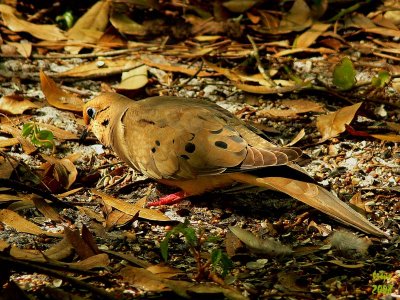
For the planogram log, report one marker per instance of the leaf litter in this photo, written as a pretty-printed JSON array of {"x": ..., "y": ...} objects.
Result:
[{"x": 313, "y": 102}]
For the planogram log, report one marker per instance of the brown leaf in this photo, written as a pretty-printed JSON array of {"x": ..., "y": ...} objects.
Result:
[
  {"x": 96, "y": 261},
  {"x": 64, "y": 170},
  {"x": 239, "y": 6},
  {"x": 6, "y": 168},
  {"x": 46, "y": 209},
  {"x": 298, "y": 18},
  {"x": 59, "y": 133},
  {"x": 359, "y": 204},
  {"x": 232, "y": 244},
  {"x": 266, "y": 246},
  {"x": 81, "y": 247},
  {"x": 395, "y": 138},
  {"x": 126, "y": 25},
  {"x": 334, "y": 123},
  {"x": 295, "y": 107},
  {"x": 118, "y": 218},
  {"x": 344, "y": 265},
  {"x": 25, "y": 49},
  {"x": 14, "y": 104},
  {"x": 20, "y": 224},
  {"x": 164, "y": 271},
  {"x": 131, "y": 209},
  {"x": 58, "y": 97},
  {"x": 90, "y": 27},
  {"x": 59, "y": 251},
  {"x": 101, "y": 68},
  {"x": 143, "y": 279},
  {"x": 27, "y": 146},
  {"x": 43, "y": 32},
  {"x": 307, "y": 38},
  {"x": 159, "y": 62}
]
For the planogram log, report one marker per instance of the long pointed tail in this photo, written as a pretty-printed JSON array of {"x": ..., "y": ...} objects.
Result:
[{"x": 315, "y": 196}]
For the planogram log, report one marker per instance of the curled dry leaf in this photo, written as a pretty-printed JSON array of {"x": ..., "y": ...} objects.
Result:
[
  {"x": 334, "y": 123},
  {"x": 62, "y": 170},
  {"x": 133, "y": 79},
  {"x": 14, "y": 104},
  {"x": 43, "y": 32},
  {"x": 20, "y": 224},
  {"x": 57, "y": 97}
]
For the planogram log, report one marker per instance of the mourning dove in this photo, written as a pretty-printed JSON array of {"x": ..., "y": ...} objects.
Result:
[{"x": 198, "y": 146}]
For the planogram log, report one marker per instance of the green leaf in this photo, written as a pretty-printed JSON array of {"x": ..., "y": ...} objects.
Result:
[
  {"x": 190, "y": 236},
  {"x": 164, "y": 247},
  {"x": 381, "y": 80},
  {"x": 344, "y": 74},
  {"x": 220, "y": 259},
  {"x": 27, "y": 129},
  {"x": 45, "y": 135}
]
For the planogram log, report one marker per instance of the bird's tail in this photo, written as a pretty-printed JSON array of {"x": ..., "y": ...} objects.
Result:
[{"x": 315, "y": 196}]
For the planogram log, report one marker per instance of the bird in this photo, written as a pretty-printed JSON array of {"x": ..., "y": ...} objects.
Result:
[{"x": 197, "y": 146}]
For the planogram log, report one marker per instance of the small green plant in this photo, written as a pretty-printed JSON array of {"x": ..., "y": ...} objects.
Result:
[
  {"x": 381, "y": 80},
  {"x": 66, "y": 20},
  {"x": 344, "y": 74},
  {"x": 38, "y": 137},
  {"x": 208, "y": 265}
]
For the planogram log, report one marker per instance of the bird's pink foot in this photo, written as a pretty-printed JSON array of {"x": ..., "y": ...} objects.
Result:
[{"x": 169, "y": 199}]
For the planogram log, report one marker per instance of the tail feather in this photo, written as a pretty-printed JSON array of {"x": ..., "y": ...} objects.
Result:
[{"x": 315, "y": 196}]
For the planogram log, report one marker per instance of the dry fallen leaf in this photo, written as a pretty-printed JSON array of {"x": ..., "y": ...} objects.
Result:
[
  {"x": 90, "y": 27},
  {"x": 334, "y": 123},
  {"x": 100, "y": 260},
  {"x": 43, "y": 32},
  {"x": 25, "y": 49},
  {"x": 14, "y": 104},
  {"x": 126, "y": 25},
  {"x": 58, "y": 97},
  {"x": 132, "y": 209},
  {"x": 133, "y": 79},
  {"x": 160, "y": 62},
  {"x": 295, "y": 107},
  {"x": 63, "y": 170},
  {"x": 59, "y": 251},
  {"x": 14, "y": 220},
  {"x": 306, "y": 39},
  {"x": 267, "y": 246},
  {"x": 102, "y": 67}
]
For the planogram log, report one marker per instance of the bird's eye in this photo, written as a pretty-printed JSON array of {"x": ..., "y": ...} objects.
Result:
[{"x": 91, "y": 112}]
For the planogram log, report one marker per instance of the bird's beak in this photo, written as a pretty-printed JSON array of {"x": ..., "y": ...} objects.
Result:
[{"x": 84, "y": 134}]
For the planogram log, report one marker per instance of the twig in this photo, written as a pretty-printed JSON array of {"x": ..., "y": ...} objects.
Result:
[
  {"x": 191, "y": 77},
  {"x": 347, "y": 11},
  {"x": 259, "y": 64}
]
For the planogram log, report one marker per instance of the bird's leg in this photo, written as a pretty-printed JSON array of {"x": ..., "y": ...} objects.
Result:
[{"x": 169, "y": 199}]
